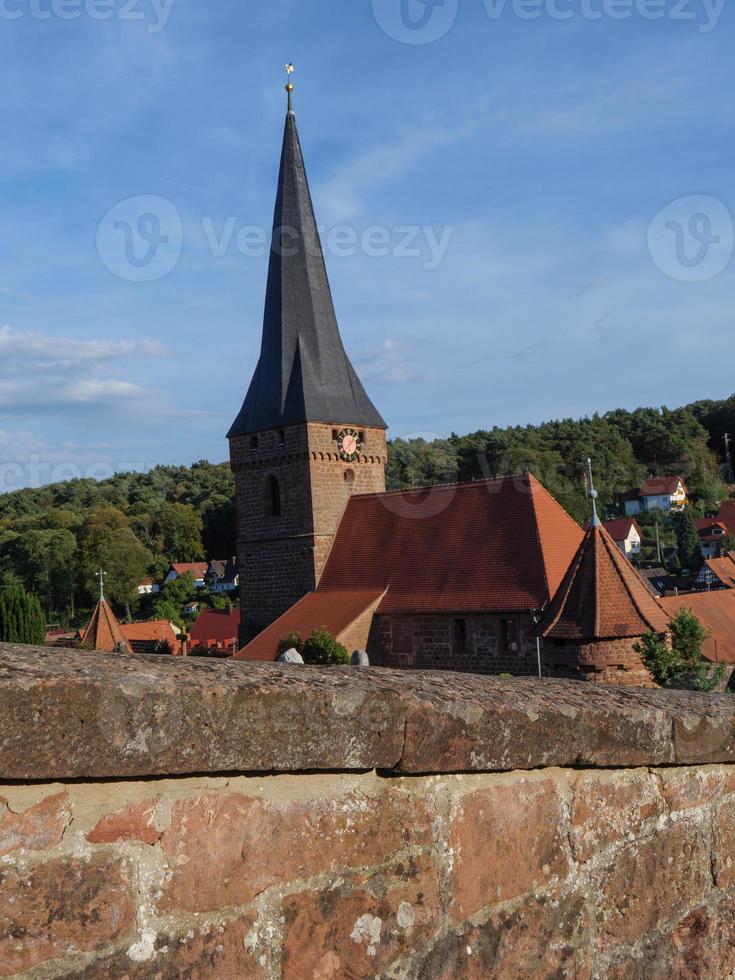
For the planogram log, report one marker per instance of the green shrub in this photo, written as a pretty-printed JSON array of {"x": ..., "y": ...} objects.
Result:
[
  {"x": 322, "y": 648},
  {"x": 291, "y": 641}
]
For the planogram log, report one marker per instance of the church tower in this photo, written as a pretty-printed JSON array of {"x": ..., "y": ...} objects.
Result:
[{"x": 308, "y": 436}]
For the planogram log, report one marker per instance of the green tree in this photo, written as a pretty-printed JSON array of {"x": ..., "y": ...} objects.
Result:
[
  {"x": 173, "y": 597},
  {"x": 21, "y": 615},
  {"x": 680, "y": 663},
  {"x": 321, "y": 648},
  {"x": 46, "y": 561},
  {"x": 687, "y": 539},
  {"x": 109, "y": 545}
]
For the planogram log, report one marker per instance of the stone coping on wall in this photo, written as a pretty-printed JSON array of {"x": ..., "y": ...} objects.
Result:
[{"x": 68, "y": 715}]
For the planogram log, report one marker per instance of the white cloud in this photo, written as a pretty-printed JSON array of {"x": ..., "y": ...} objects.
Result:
[
  {"x": 44, "y": 352},
  {"x": 41, "y": 375}
]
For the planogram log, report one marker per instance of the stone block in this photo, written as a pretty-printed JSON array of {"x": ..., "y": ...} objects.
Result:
[
  {"x": 505, "y": 842},
  {"x": 39, "y": 828},
  {"x": 254, "y": 843},
  {"x": 62, "y": 907},
  {"x": 358, "y": 929},
  {"x": 132, "y": 823},
  {"x": 651, "y": 882}
]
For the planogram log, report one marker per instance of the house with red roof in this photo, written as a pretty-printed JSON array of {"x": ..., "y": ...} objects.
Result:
[
  {"x": 215, "y": 629},
  {"x": 152, "y": 637},
  {"x": 104, "y": 632},
  {"x": 712, "y": 534},
  {"x": 716, "y": 573},
  {"x": 668, "y": 493},
  {"x": 197, "y": 570},
  {"x": 447, "y": 577},
  {"x": 626, "y": 534}
]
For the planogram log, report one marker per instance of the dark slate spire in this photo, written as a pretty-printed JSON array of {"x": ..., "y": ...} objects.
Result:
[{"x": 304, "y": 374}]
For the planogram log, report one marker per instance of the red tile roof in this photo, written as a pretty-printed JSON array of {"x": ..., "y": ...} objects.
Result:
[
  {"x": 727, "y": 515},
  {"x": 707, "y": 528},
  {"x": 602, "y": 596},
  {"x": 620, "y": 529},
  {"x": 103, "y": 631},
  {"x": 214, "y": 626},
  {"x": 724, "y": 569},
  {"x": 661, "y": 485},
  {"x": 156, "y": 631},
  {"x": 197, "y": 568},
  {"x": 491, "y": 546},
  {"x": 333, "y": 610},
  {"x": 716, "y": 612}
]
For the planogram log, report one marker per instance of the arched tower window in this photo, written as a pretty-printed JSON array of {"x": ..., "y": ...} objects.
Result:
[{"x": 272, "y": 497}]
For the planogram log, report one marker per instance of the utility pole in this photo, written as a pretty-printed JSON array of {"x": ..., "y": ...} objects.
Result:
[{"x": 658, "y": 546}]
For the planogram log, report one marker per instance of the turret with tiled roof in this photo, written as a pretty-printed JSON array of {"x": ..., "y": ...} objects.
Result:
[
  {"x": 599, "y": 613},
  {"x": 103, "y": 631}
]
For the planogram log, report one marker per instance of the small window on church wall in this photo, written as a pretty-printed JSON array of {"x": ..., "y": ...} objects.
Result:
[
  {"x": 253, "y": 443},
  {"x": 460, "y": 635},
  {"x": 362, "y": 438},
  {"x": 272, "y": 497},
  {"x": 281, "y": 438},
  {"x": 349, "y": 476},
  {"x": 509, "y": 634}
]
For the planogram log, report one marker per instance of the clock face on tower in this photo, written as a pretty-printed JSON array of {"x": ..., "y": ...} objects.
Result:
[{"x": 349, "y": 445}]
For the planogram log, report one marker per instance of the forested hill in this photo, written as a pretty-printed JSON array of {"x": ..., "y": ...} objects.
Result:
[
  {"x": 625, "y": 448},
  {"x": 55, "y": 538}
]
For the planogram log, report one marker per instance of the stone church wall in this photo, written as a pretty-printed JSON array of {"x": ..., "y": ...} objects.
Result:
[
  {"x": 437, "y": 642},
  {"x": 210, "y": 820}
]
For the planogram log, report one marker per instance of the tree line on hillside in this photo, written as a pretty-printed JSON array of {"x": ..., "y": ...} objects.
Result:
[
  {"x": 625, "y": 448},
  {"x": 53, "y": 540}
]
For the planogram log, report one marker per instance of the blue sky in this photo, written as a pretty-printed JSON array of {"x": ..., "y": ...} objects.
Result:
[{"x": 544, "y": 153}]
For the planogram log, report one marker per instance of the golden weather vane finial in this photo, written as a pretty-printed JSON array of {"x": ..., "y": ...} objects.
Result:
[{"x": 289, "y": 87}]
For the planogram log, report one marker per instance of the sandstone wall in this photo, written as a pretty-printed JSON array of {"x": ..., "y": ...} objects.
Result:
[
  {"x": 169, "y": 820},
  {"x": 281, "y": 558}
]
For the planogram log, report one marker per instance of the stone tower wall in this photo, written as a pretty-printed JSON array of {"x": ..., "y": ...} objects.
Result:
[{"x": 281, "y": 557}]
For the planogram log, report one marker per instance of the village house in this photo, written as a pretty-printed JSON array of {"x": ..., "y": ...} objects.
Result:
[
  {"x": 149, "y": 587},
  {"x": 668, "y": 493},
  {"x": 626, "y": 534},
  {"x": 716, "y": 573},
  {"x": 222, "y": 576},
  {"x": 197, "y": 570},
  {"x": 216, "y": 629},
  {"x": 712, "y": 534}
]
